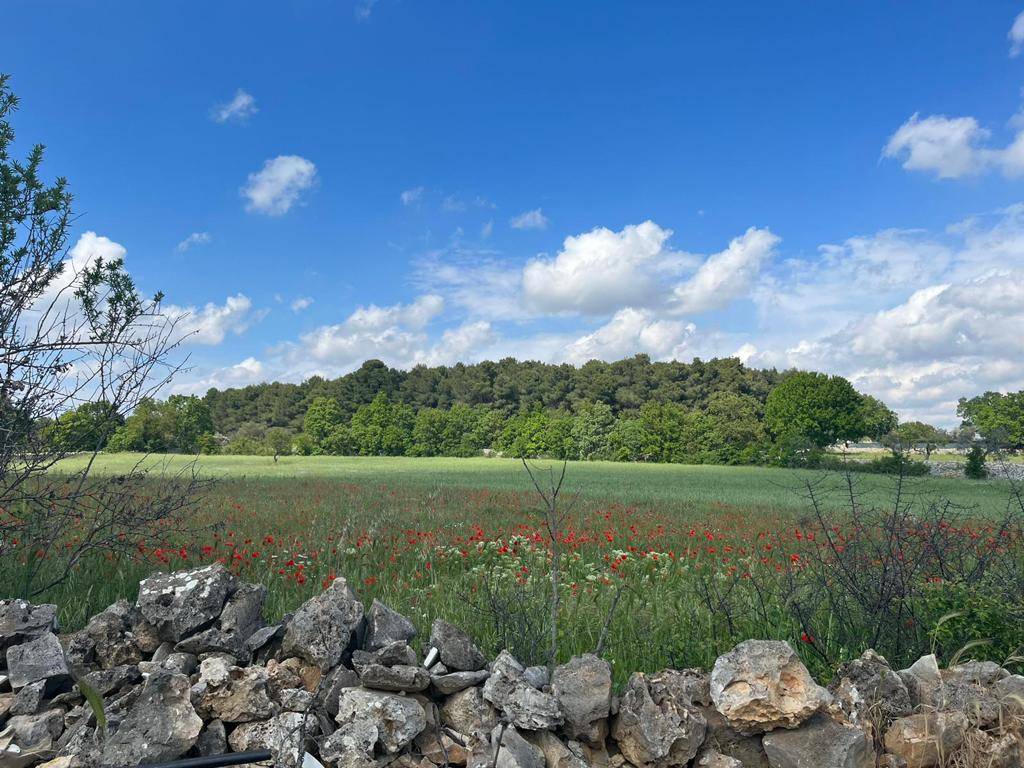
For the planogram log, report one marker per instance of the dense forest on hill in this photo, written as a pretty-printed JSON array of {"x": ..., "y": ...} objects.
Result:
[
  {"x": 507, "y": 386},
  {"x": 718, "y": 411}
]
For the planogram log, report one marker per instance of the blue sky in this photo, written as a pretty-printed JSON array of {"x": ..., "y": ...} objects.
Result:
[{"x": 829, "y": 185}]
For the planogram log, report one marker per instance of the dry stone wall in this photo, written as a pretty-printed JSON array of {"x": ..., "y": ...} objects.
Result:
[{"x": 192, "y": 669}]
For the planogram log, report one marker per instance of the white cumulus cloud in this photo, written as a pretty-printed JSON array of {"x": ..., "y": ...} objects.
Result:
[
  {"x": 276, "y": 187},
  {"x": 601, "y": 271},
  {"x": 728, "y": 274}
]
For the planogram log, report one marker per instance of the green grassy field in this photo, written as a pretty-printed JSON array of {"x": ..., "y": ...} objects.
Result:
[
  {"x": 703, "y": 556},
  {"x": 636, "y": 484}
]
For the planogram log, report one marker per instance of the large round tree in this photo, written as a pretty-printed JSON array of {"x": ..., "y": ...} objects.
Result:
[{"x": 814, "y": 408}]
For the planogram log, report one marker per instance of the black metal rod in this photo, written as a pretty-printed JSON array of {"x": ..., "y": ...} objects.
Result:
[{"x": 214, "y": 761}]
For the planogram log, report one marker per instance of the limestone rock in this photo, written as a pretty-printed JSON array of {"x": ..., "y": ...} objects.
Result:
[
  {"x": 160, "y": 725},
  {"x": 20, "y": 621},
  {"x": 761, "y": 685},
  {"x": 715, "y": 759},
  {"x": 514, "y": 751},
  {"x": 1010, "y": 693},
  {"x": 468, "y": 712},
  {"x": 385, "y": 626},
  {"x": 371, "y": 722},
  {"x": 657, "y": 732},
  {"x": 924, "y": 681},
  {"x": 556, "y": 753},
  {"x": 29, "y": 699},
  {"x": 322, "y": 628},
  {"x": 453, "y": 682},
  {"x": 41, "y": 658},
  {"x": 284, "y": 735},
  {"x": 819, "y": 743},
  {"x": 868, "y": 690},
  {"x": 927, "y": 739},
  {"x": 523, "y": 705},
  {"x": 106, "y": 681},
  {"x": 213, "y": 739},
  {"x": 583, "y": 689},
  {"x": 182, "y": 603},
  {"x": 456, "y": 648},
  {"x": 238, "y": 696},
  {"x": 107, "y": 639},
  {"x": 401, "y": 677},
  {"x": 243, "y": 611}
]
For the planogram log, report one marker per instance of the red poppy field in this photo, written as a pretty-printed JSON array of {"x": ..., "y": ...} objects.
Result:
[{"x": 670, "y": 583}]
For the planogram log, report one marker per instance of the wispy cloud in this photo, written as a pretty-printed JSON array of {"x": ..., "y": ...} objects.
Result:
[
  {"x": 364, "y": 9},
  {"x": 410, "y": 196},
  {"x": 241, "y": 107},
  {"x": 534, "y": 219},
  {"x": 301, "y": 303},
  {"x": 196, "y": 238}
]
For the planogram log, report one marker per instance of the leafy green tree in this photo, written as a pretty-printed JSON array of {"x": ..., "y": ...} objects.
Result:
[
  {"x": 278, "y": 441},
  {"x": 88, "y": 427},
  {"x": 323, "y": 419},
  {"x": 671, "y": 432},
  {"x": 180, "y": 424},
  {"x": 731, "y": 430},
  {"x": 814, "y": 407},
  {"x": 428, "y": 434},
  {"x": 591, "y": 427},
  {"x": 917, "y": 436},
  {"x": 630, "y": 440},
  {"x": 525, "y": 435},
  {"x": 998, "y": 417},
  {"x": 974, "y": 467},
  {"x": 878, "y": 419},
  {"x": 382, "y": 428}
]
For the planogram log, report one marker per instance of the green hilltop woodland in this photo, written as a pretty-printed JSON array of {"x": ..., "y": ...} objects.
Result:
[{"x": 717, "y": 411}]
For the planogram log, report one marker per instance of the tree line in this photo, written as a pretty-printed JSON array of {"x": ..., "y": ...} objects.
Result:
[{"x": 718, "y": 412}]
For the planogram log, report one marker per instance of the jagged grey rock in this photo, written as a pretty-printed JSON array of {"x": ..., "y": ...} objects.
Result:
[
  {"x": 657, "y": 732},
  {"x": 21, "y": 621},
  {"x": 161, "y": 724},
  {"x": 556, "y": 753},
  {"x": 819, "y": 743},
  {"x": 868, "y": 690},
  {"x": 41, "y": 658},
  {"x": 370, "y": 721},
  {"x": 385, "y": 626},
  {"x": 243, "y": 611},
  {"x": 38, "y": 730},
  {"x": 714, "y": 759},
  {"x": 514, "y": 751},
  {"x": 333, "y": 684},
  {"x": 106, "y": 639},
  {"x": 522, "y": 704},
  {"x": 106, "y": 681},
  {"x": 761, "y": 685},
  {"x": 401, "y": 677},
  {"x": 213, "y": 739},
  {"x": 29, "y": 699},
  {"x": 322, "y": 628},
  {"x": 390, "y": 655},
  {"x": 453, "y": 682},
  {"x": 583, "y": 689},
  {"x": 284, "y": 735},
  {"x": 457, "y": 650},
  {"x": 924, "y": 681},
  {"x": 237, "y": 695},
  {"x": 182, "y": 603}
]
